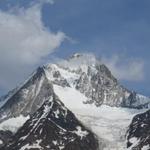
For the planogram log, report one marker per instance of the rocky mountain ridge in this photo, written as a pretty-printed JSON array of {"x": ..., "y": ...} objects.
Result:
[
  {"x": 138, "y": 135},
  {"x": 53, "y": 126},
  {"x": 95, "y": 81},
  {"x": 92, "y": 85}
]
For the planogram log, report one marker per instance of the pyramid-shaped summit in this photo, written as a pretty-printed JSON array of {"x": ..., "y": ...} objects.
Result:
[
  {"x": 80, "y": 85},
  {"x": 53, "y": 126}
]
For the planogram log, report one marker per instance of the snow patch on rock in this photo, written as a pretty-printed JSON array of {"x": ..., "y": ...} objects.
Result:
[
  {"x": 80, "y": 132},
  {"x": 13, "y": 124},
  {"x": 108, "y": 123},
  {"x": 146, "y": 147}
]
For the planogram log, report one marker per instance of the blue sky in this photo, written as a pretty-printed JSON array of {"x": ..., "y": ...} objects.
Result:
[{"x": 109, "y": 29}]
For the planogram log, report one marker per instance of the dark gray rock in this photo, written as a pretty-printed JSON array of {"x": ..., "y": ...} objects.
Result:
[
  {"x": 29, "y": 97},
  {"x": 97, "y": 84},
  {"x": 139, "y": 130},
  {"x": 5, "y": 137},
  {"x": 101, "y": 87},
  {"x": 53, "y": 127}
]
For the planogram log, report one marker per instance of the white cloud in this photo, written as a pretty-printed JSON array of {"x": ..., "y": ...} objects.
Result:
[
  {"x": 24, "y": 41},
  {"x": 47, "y": 1},
  {"x": 25, "y": 36},
  {"x": 124, "y": 68},
  {"x": 77, "y": 60}
]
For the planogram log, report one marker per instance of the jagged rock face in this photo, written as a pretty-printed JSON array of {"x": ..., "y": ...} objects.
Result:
[
  {"x": 59, "y": 127},
  {"x": 137, "y": 101},
  {"x": 4, "y": 98},
  {"x": 138, "y": 135},
  {"x": 29, "y": 97},
  {"x": 53, "y": 127},
  {"x": 54, "y": 75},
  {"x": 101, "y": 87},
  {"x": 96, "y": 82},
  {"x": 5, "y": 137},
  {"x": 93, "y": 79}
]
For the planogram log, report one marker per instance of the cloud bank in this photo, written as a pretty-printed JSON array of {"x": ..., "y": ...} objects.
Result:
[
  {"x": 24, "y": 42},
  {"x": 124, "y": 68}
]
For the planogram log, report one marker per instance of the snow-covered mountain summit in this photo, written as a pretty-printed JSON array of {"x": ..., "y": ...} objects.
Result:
[
  {"x": 87, "y": 87},
  {"x": 50, "y": 126},
  {"x": 92, "y": 78},
  {"x": 84, "y": 73}
]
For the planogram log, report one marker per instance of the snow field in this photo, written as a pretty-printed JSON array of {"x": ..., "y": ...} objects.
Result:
[{"x": 108, "y": 123}]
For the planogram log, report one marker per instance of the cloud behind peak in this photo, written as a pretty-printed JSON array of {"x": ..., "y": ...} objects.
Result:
[
  {"x": 24, "y": 41},
  {"x": 128, "y": 69}
]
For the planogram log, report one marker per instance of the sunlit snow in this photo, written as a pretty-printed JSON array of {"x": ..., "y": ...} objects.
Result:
[
  {"x": 13, "y": 124},
  {"x": 109, "y": 123}
]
